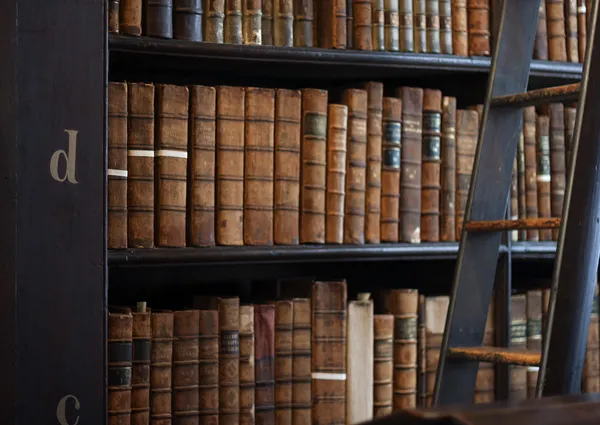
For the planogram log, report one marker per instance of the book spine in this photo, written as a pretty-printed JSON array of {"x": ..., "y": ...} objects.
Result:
[
  {"x": 540, "y": 49},
  {"x": 113, "y": 16},
  {"x": 378, "y": 30},
  {"x": 431, "y": 161},
  {"x": 534, "y": 336},
  {"x": 555, "y": 16},
  {"x": 158, "y": 18},
  {"x": 514, "y": 199},
  {"x": 229, "y": 361},
  {"x": 432, "y": 24},
  {"x": 120, "y": 328},
  {"x": 208, "y": 367},
  {"x": 390, "y": 170},
  {"x": 301, "y": 362},
  {"x": 479, "y": 27},
  {"x": 374, "y": 152},
  {"x": 268, "y": 17},
  {"x": 445, "y": 7},
  {"x": 543, "y": 173},
  {"x": 436, "y": 309},
  {"x": 187, "y": 20},
  {"x": 557, "y": 161},
  {"x": 264, "y": 352},
  {"x": 521, "y": 191},
  {"x": 571, "y": 30},
  {"x": 161, "y": 359},
  {"x": 247, "y": 362},
  {"x": 362, "y": 25},
  {"x": 130, "y": 17},
  {"x": 383, "y": 364},
  {"x": 421, "y": 354},
  {"x": 581, "y": 28},
  {"x": 140, "y": 370},
  {"x": 336, "y": 172},
  {"x": 349, "y": 24},
  {"x": 448, "y": 178},
  {"x": 252, "y": 22},
  {"x": 283, "y": 28},
  {"x": 303, "y": 23},
  {"x": 531, "y": 195},
  {"x": 405, "y": 13},
  {"x": 284, "y": 318},
  {"x": 518, "y": 339},
  {"x": 420, "y": 25},
  {"x": 391, "y": 25},
  {"x": 332, "y": 31},
  {"x": 233, "y": 22},
  {"x": 570, "y": 115},
  {"x": 467, "y": 128},
  {"x": 215, "y": 16},
  {"x": 185, "y": 366},
  {"x": 460, "y": 39}
]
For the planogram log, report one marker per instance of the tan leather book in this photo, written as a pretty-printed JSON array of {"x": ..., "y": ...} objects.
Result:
[
  {"x": 485, "y": 380},
  {"x": 555, "y": 17},
  {"x": 303, "y": 23},
  {"x": 362, "y": 31},
  {"x": 336, "y": 172},
  {"x": 570, "y": 116},
  {"x": 252, "y": 22},
  {"x": 120, "y": 326},
  {"x": 283, "y": 23},
  {"x": 208, "y": 367},
  {"x": 591, "y": 365},
  {"x": 479, "y": 27},
  {"x": 186, "y": 334},
  {"x": 187, "y": 20},
  {"x": 232, "y": 26},
  {"x": 230, "y": 165},
  {"x": 201, "y": 180},
  {"x": 301, "y": 362},
  {"x": 557, "y": 161},
  {"x": 214, "y": 12},
  {"x": 378, "y": 28},
  {"x": 514, "y": 199},
  {"x": 140, "y": 166},
  {"x": 540, "y": 49},
  {"x": 531, "y": 195},
  {"x": 431, "y": 165},
  {"x": 581, "y": 28},
  {"x": 314, "y": 166},
  {"x": 286, "y": 201},
  {"x": 405, "y": 14},
  {"x": 390, "y": 168},
  {"x": 359, "y": 360},
  {"x": 445, "y": 7},
  {"x": 158, "y": 18},
  {"x": 432, "y": 25},
  {"x": 467, "y": 130},
  {"x": 436, "y": 309},
  {"x": 521, "y": 191},
  {"x": 171, "y": 165},
  {"x": 247, "y": 362},
  {"x": 460, "y": 38},
  {"x": 329, "y": 366},
  {"x": 410, "y": 170},
  {"x": 284, "y": 330},
  {"x": 264, "y": 353},
  {"x": 229, "y": 360},
  {"x": 420, "y": 25},
  {"x": 117, "y": 166},
  {"x": 374, "y": 148},
  {"x": 140, "y": 368},
  {"x": 332, "y": 30},
  {"x": 130, "y": 17},
  {"x": 448, "y": 171},
  {"x": 534, "y": 335},
  {"x": 543, "y": 172},
  {"x": 391, "y": 21},
  {"x": 268, "y": 10},
  {"x": 518, "y": 339},
  {"x": 113, "y": 16},
  {"x": 161, "y": 359},
  {"x": 571, "y": 30},
  {"x": 383, "y": 366}
]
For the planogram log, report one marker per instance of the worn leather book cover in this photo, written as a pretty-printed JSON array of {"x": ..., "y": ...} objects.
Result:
[
  {"x": 230, "y": 165},
  {"x": 130, "y": 17},
  {"x": 120, "y": 327},
  {"x": 233, "y": 22},
  {"x": 284, "y": 330},
  {"x": 591, "y": 365},
  {"x": 378, "y": 28},
  {"x": 531, "y": 195},
  {"x": 254, "y": 15},
  {"x": 214, "y": 12},
  {"x": 448, "y": 171},
  {"x": 140, "y": 370},
  {"x": 479, "y": 27},
  {"x": 158, "y": 18},
  {"x": 186, "y": 343},
  {"x": 432, "y": 25},
  {"x": 436, "y": 309},
  {"x": 187, "y": 20},
  {"x": 445, "y": 7},
  {"x": 571, "y": 30},
  {"x": 113, "y": 16},
  {"x": 543, "y": 173},
  {"x": 570, "y": 116},
  {"x": 117, "y": 166},
  {"x": 383, "y": 364},
  {"x": 172, "y": 104},
  {"x": 391, "y": 25},
  {"x": 485, "y": 380},
  {"x": 247, "y": 363},
  {"x": 582, "y": 18},
  {"x": 229, "y": 360},
  {"x": 534, "y": 335},
  {"x": 467, "y": 130},
  {"x": 301, "y": 362},
  {"x": 405, "y": 14},
  {"x": 329, "y": 304},
  {"x": 208, "y": 368},
  {"x": 514, "y": 199},
  {"x": 421, "y": 354},
  {"x": 518, "y": 339},
  {"x": 374, "y": 148},
  {"x": 540, "y": 47},
  {"x": 460, "y": 38},
  {"x": 557, "y": 161},
  {"x": 283, "y": 23},
  {"x": 303, "y": 23},
  {"x": 267, "y": 29},
  {"x": 362, "y": 25},
  {"x": 336, "y": 172},
  {"x": 349, "y": 25},
  {"x": 431, "y": 165},
  {"x": 390, "y": 168},
  {"x": 286, "y": 202},
  {"x": 161, "y": 360},
  {"x": 264, "y": 353},
  {"x": 521, "y": 191},
  {"x": 555, "y": 17},
  {"x": 420, "y": 26}
]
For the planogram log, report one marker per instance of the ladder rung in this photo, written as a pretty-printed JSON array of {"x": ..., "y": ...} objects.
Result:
[
  {"x": 536, "y": 97},
  {"x": 524, "y": 224},
  {"x": 516, "y": 356}
]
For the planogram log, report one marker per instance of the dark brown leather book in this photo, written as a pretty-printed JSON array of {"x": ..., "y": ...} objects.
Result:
[
  {"x": 140, "y": 166},
  {"x": 543, "y": 172},
  {"x": 268, "y": 10},
  {"x": 332, "y": 31},
  {"x": 581, "y": 28},
  {"x": 140, "y": 370},
  {"x": 171, "y": 165},
  {"x": 158, "y": 18},
  {"x": 374, "y": 147},
  {"x": 247, "y": 363},
  {"x": 405, "y": 14},
  {"x": 187, "y": 20},
  {"x": 460, "y": 38},
  {"x": 518, "y": 339},
  {"x": 286, "y": 203},
  {"x": 557, "y": 161},
  {"x": 421, "y": 354},
  {"x": 467, "y": 130},
  {"x": 303, "y": 23},
  {"x": 329, "y": 303},
  {"x": 283, "y": 23},
  {"x": 232, "y": 26},
  {"x": 201, "y": 175},
  {"x": 448, "y": 173},
  {"x": 479, "y": 27},
  {"x": 208, "y": 368},
  {"x": 254, "y": 15},
  {"x": 534, "y": 335},
  {"x": 591, "y": 365},
  {"x": 186, "y": 324},
  {"x": 390, "y": 170},
  {"x": 117, "y": 166},
  {"x": 391, "y": 25},
  {"x": 555, "y": 17},
  {"x": 531, "y": 195},
  {"x": 432, "y": 24},
  {"x": 284, "y": 327},
  {"x": 362, "y": 25},
  {"x": 336, "y": 172},
  {"x": 430, "y": 182},
  {"x": 120, "y": 327},
  {"x": 349, "y": 25},
  {"x": 264, "y": 353},
  {"x": 570, "y": 116},
  {"x": 113, "y": 16},
  {"x": 445, "y": 27},
  {"x": 214, "y": 20},
  {"x": 301, "y": 362},
  {"x": 383, "y": 364},
  {"x": 571, "y": 30},
  {"x": 485, "y": 380},
  {"x": 314, "y": 166},
  {"x": 540, "y": 49},
  {"x": 229, "y": 361},
  {"x": 514, "y": 199},
  {"x": 521, "y": 190},
  {"x": 436, "y": 309},
  {"x": 420, "y": 26},
  {"x": 130, "y": 17},
  {"x": 378, "y": 19},
  {"x": 161, "y": 359},
  {"x": 410, "y": 178},
  {"x": 230, "y": 165}
]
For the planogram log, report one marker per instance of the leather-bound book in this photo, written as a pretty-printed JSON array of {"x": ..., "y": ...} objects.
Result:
[
  {"x": 314, "y": 166},
  {"x": 581, "y": 28},
  {"x": 571, "y": 30},
  {"x": 161, "y": 359},
  {"x": 448, "y": 172},
  {"x": 383, "y": 364},
  {"x": 286, "y": 202},
  {"x": 247, "y": 363},
  {"x": 467, "y": 130},
  {"x": 329, "y": 353},
  {"x": 405, "y": 14},
  {"x": 171, "y": 164},
  {"x": 543, "y": 173},
  {"x": 208, "y": 367},
  {"x": 264, "y": 353},
  {"x": 591, "y": 365},
  {"x": 540, "y": 47},
  {"x": 120, "y": 327},
  {"x": 268, "y": 10},
  {"x": 301, "y": 362},
  {"x": 432, "y": 23},
  {"x": 284, "y": 329},
  {"x": 187, "y": 20},
  {"x": 332, "y": 30},
  {"x": 359, "y": 360},
  {"x": 545, "y": 304},
  {"x": 521, "y": 191},
  {"x": 436, "y": 309},
  {"x": 378, "y": 19},
  {"x": 557, "y": 161},
  {"x": 485, "y": 380},
  {"x": 349, "y": 25},
  {"x": 336, "y": 172},
  {"x": 229, "y": 360},
  {"x": 391, "y": 25},
  {"x": 214, "y": 12},
  {"x": 555, "y": 17},
  {"x": 421, "y": 354},
  {"x": 303, "y": 23},
  {"x": 201, "y": 177},
  {"x": 479, "y": 27},
  {"x": 230, "y": 165},
  {"x": 356, "y": 165},
  {"x": 420, "y": 25},
  {"x": 140, "y": 166},
  {"x": 430, "y": 178},
  {"x": 140, "y": 370},
  {"x": 252, "y": 20},
  {"x": 374, "y": 148},
  {"x": 258, "y": 163},
  {"x": 570, "y": 116},
  {"x": 362, "y": 25},
  {"x": 514, "y": 199},
  {"x": 445, "y": 27},
  {"x": 518, "y": 339},
  {"x": 186, "y": 325},
  {"x": 117, "y": 165},
  {"x": 130, "y": 17},
  {"x": 410, "y": 178},
  {"x": 283, "y": 23},
  {"x": 531, "y": 196},
  {"x": 113, "y": 16},
  {"x": 460, "y": 38},
  {"x": 158, "y": 18},
  {"x": 233, "y": 22},
  {"x": 534, "y": 335},
  {"x": 390, "y": 168}
]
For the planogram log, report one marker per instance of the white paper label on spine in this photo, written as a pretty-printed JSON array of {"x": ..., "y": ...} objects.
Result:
[
  {"x": 329, "y": 376},
  {"x": 139, "y": 152},
  {"x": 117, "y": 173},
  {"x": 172, "y": 153}
]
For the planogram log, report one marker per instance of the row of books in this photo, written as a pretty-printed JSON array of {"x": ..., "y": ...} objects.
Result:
[{"x": 320, "y": 360}]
